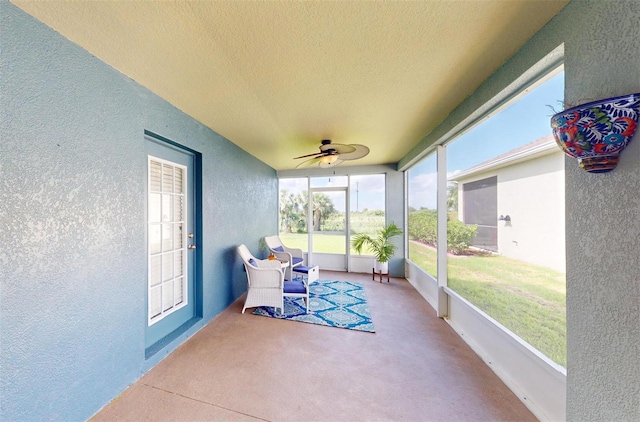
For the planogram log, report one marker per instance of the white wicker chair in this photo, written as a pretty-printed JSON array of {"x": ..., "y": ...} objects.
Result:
[
  {"x": 293, "y": 255},
  {"x": 266, "y": 283}
]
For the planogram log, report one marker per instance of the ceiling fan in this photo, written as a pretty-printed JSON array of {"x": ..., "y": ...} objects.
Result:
[{"x": 331, "y": 155}]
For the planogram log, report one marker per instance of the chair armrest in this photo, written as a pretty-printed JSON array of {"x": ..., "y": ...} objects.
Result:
[
  {"x": 288, "y": 254},
  {"x": 266, "y": 277},
  {"x": 282, "y": 256},
  {"x": 268, "y": 263},
  {"x": 294, "y": 252}
]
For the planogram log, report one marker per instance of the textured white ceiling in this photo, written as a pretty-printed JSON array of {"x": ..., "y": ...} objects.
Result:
[{"x": 277, "y": 77}]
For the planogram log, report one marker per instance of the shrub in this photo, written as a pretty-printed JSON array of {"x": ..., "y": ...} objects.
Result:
[
  {"x": 460, "y": 236},
  {"x": 423, "y": 227}
]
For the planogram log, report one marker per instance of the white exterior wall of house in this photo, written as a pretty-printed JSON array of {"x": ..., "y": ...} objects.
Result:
[{"x": 531, "y": 192}]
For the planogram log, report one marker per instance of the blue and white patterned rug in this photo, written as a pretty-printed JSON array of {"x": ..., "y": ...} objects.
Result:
[{"x": 339, "y": 304}]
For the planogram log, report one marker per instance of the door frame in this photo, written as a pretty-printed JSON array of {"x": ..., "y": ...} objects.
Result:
[
  {"x": 323, "y": 259},
  {"x": 198, "y": 233}
]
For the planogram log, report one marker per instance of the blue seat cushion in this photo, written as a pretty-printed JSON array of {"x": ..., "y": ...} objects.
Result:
[
  {"x": 302, "y": 269},
  {"x": 294, "y": 287},
  {"x": 296, "y": 260},
  {"x": 279, "y": 249}
]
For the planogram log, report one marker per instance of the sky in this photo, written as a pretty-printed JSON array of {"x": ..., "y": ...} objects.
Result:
[{"x": 522, "y": 122}]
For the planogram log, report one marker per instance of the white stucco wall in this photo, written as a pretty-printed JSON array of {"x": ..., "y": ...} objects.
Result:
[{"x": 531, "y": 193}]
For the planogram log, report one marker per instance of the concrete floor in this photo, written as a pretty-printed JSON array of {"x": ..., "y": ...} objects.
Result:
[{"x": 247, "y": 367}]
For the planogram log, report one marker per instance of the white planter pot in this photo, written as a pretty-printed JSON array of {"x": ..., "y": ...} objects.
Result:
[{"x": 382, "y": 267}]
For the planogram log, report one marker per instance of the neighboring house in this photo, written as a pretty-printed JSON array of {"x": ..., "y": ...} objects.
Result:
[{"x": 517, "y": 201}]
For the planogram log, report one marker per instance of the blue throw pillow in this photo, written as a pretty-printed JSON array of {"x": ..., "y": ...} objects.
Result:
[{"x": 279, "y": 249}]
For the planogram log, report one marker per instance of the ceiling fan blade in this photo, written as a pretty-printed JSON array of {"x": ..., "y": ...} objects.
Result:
[
  {"x": 359, "y": 151},
  {"x": 308, "y": 163},
  {"x": 315, "y": 154},
  {"x": 331, "y": 155},
  {"x": 339, "y": 148}
]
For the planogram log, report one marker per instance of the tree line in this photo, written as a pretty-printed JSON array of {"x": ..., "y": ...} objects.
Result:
[{"x": 293, "y": 211}]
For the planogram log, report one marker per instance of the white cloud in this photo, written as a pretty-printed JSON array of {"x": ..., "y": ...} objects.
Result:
[{"x": 423, "y": 190}]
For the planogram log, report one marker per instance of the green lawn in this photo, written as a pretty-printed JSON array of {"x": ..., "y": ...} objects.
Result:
[
  {"x": 321, "y": 242},
  {"x": 361, "y": 222},
  {"x": 527, "y": 299}
]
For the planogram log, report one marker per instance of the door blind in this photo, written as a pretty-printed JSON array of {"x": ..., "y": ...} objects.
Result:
[{"x": 166, "y": 238}]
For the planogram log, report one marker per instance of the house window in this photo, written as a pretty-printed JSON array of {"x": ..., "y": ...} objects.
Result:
[{"x": 480, "y": 201}]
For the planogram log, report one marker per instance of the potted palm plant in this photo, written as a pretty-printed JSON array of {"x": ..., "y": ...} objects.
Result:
[{"x": 381, "y": 245}]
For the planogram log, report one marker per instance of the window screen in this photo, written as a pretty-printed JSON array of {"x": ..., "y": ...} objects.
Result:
[{"x": 481, "y": 207}]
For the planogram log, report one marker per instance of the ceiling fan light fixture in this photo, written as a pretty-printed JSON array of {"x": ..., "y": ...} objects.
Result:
[{"x": 328, "y": 159}]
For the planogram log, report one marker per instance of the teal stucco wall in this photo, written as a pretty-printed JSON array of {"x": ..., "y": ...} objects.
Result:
[{"x": 72, "y": 207}]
